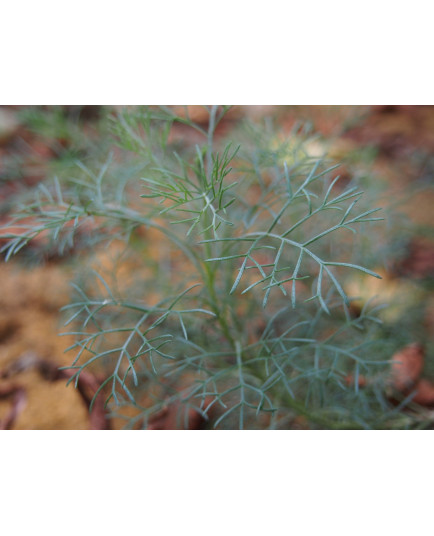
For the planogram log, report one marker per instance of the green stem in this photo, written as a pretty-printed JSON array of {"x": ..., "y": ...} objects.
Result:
[
  {"x": 211, "y": 128},
  {"x": 210, "y": 271}
]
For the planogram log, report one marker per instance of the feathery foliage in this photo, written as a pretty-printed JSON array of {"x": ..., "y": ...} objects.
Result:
[{"x": 252, "y": 326}]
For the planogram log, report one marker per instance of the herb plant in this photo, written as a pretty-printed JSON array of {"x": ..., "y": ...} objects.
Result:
[{"x": 245, "y": 319}]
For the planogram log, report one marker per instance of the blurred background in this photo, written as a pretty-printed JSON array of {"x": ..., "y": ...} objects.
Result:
[{"x": 389, "y": 149}]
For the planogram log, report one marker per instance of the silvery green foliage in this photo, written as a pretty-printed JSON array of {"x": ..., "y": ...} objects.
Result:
[{"x": 261, "y": 330}]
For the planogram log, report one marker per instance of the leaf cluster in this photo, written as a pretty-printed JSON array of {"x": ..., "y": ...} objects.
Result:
[{"x": 262, "y": 330}]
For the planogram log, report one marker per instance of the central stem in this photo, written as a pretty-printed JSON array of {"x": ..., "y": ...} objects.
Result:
[
  {"x": 209, "y": 268},
  {"x": 211, "y": 128}
]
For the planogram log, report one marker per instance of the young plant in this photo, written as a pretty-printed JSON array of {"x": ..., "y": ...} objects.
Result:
[{"x": 245, "y": 320}]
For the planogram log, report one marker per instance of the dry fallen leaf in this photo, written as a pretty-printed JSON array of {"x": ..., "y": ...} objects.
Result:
[
  {"x": 419, "y": 262},
  {"x": 18, "y": 396},
  {"x": 407, "y": 366},
  {"x": 424, "y": 393}
]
